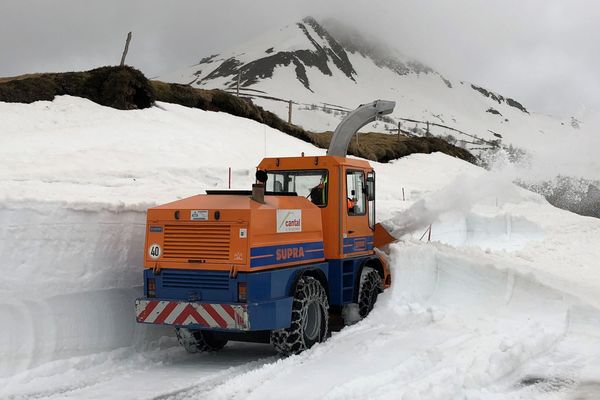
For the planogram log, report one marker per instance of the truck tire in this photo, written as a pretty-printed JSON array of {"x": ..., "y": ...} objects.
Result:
[
  {"x": 196, "y": 341},
  {"x": 309, "y": 325},
  {"x": 371, "y": 285}
]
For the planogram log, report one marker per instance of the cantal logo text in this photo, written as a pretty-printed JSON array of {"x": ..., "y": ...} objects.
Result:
[{"x": 289, "y": 221}]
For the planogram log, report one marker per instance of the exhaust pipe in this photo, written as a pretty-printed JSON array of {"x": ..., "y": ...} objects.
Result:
[
  {"x": 258, "y": 188},
  {"x": 258, "y": 192}
]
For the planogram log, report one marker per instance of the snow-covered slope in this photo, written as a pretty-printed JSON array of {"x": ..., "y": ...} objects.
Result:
[
  {"x": 503, "y": 303},
  {"x": 330, "y": 64}
]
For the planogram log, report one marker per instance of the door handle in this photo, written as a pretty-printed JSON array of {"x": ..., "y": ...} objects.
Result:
[{"x": 350, "y": 232}]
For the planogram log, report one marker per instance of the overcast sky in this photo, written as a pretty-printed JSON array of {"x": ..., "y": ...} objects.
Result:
[{"x": 544, "y": 53}]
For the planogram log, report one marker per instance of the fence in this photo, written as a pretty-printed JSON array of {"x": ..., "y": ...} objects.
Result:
[{"x": 426, "y": 130}]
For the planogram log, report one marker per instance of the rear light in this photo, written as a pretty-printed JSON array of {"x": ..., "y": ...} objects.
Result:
[
  {"x": 151, "y": 285},
  {"x": 242, "y": 292}
]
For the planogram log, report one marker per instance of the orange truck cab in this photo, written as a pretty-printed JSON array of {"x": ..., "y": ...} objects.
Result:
[{"x": 274, "y": 264}]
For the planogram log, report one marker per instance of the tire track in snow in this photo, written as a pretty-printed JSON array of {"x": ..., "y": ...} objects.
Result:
[
  {"x": 283, "y": 373},
  {"x": 204, "y": 386},
  {"x": 131, "y": 374}
]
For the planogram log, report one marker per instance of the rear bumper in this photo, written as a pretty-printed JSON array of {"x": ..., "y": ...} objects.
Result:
[
  {"x": 190, "y": 314},
  {"x": 274, "y": 314}
]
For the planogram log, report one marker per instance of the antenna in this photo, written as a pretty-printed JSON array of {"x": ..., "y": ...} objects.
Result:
[{"x": 265, "y": 135}]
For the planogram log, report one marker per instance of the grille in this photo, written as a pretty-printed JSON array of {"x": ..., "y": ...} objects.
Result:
[
  {"x": 195, "y": 279},
  {"x": 197, "y": 242}
]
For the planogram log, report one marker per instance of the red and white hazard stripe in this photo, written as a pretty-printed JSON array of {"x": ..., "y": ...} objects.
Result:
[{"x": 225, "y": 316}]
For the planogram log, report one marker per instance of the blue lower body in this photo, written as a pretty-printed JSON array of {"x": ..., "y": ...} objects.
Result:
[{"x": 269, "y": 293}]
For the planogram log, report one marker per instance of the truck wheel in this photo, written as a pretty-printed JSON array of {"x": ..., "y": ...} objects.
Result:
[
  {"x": 309, "y": 325},
  {"x": 370, "y": 287},
  {"x": 195, "y": 341}
]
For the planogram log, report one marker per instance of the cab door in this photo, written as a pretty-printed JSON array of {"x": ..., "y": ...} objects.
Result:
[{"x": 358, "y": 236}]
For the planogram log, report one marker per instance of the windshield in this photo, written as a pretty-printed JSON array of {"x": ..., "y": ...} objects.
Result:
[{"x": 311, "y": 184}]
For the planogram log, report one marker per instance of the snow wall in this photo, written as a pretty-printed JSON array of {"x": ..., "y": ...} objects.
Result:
[
  {"x": 70, "y": 276},
  {"x": 72, "y": 272}
]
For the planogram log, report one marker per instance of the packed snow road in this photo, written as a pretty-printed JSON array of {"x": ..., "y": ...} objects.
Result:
[
  {"x": 453, "y": 326},
  {"x": 502, "y": 304},
  {"x": 130, "y": 373}
]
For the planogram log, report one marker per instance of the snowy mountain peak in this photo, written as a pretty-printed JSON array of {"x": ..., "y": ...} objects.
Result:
[
  {"x": 328, "y": 67},
  {"x": 304, "y": 45}
]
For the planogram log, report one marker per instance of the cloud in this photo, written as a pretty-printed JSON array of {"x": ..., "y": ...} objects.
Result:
[{"x": 542, "y": 53}]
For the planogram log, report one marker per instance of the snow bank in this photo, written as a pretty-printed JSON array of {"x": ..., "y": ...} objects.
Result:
[
  {"x": 72, "y": 150},
  {"x": 76, "y": 181},
  {"x": 508, "y": 287},
  {"x": 69, "y": 279},
  {"x": 450, "y": 325},
  {"x": 467, "y": 206},
  {"x": 68, "y": 250}
]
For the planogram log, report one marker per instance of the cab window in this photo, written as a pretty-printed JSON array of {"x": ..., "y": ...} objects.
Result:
[
  {"x": 355, "y": 192},
  {"x": 312, "y": 184}
]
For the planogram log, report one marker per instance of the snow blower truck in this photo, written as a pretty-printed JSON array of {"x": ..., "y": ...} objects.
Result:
[{"x": 282, "y": 263}]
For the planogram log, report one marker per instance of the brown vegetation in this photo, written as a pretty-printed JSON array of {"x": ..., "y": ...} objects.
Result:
[
  {"x": 16, "y": 78},
  {"x": 384, "y": 147},
  {"x": 126, "y": 88}
]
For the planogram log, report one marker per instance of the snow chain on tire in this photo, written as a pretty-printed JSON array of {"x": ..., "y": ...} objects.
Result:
[
  {"x": 308, "y": 297},
  {"x": 198, "y": 341},
  {"x": 370, "y": 287}
]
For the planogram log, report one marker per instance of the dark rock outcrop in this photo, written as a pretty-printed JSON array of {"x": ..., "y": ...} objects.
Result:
[{"x": 500, "y": 99}]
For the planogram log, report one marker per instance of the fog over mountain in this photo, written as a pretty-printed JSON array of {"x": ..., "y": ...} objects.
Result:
[
  {"x": 541, "y": 52},
  {"x": 313, "y": 63}
]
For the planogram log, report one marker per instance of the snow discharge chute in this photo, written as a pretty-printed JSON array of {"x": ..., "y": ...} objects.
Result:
[{"x": 354, "y": 121}]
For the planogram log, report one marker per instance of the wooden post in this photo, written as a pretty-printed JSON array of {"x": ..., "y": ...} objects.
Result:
[
  {"x": 399, "y": 124},
  {"x": 289, "y": 112},
  {"x": 427, "y": 128},
  {"x": 238, "y": 83},
  {"x": 229, "y": 177},
  {"x": 403, "y": 198},
  {"x": 126, "y": 49}
]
